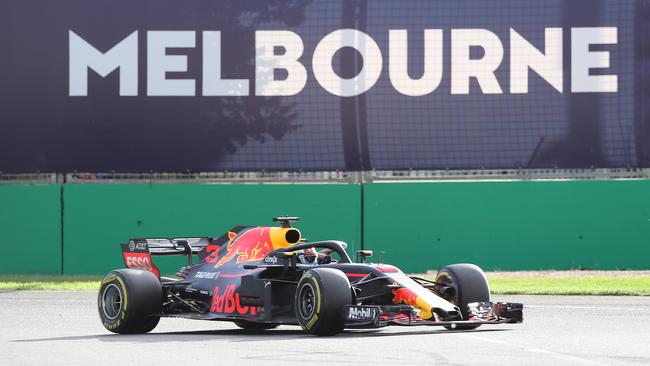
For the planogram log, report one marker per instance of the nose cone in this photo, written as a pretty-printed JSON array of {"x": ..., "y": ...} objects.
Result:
[
  {"x": 412, "y": 293},
  {"x": 408, "y": 297},
  {"x": 447, "y": 315}
]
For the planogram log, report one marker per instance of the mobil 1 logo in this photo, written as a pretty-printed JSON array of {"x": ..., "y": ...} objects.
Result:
[{"x": 361, "y": 313}]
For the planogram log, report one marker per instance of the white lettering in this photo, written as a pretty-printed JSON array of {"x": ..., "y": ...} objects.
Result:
[
  {"x": 583, "y": 60},
  {"x": 475, "y": 54},
  {"x": 463, "y": 67},
  {"x": 398, "y": 62},
  {"x": 524, "y": 55},
  {"x": 83, "y": 56},
  {"x": 213, "y": 84},
  {"x": 327, "y": 77},
  {"x": 266, "y": 61},
  {"x": 159, "y": 63}
]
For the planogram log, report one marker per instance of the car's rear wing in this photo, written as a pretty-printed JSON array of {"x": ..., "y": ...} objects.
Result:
[
  {"x": 173, "y": 246},
  {"x": 138, "y": 251}
]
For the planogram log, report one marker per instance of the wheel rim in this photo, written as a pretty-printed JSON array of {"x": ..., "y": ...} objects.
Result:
[
  {"x": 307, "y": 301},
  {"x": 449, "y": 282},
  {"x": 112, "y": 301}
]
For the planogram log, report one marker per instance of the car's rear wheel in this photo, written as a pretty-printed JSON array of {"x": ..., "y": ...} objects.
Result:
[
  {"x": 130, "y": 301},
  {"x": 244, "y": 324},
  {"x": 320, "y": 296},
  {"x": 468, "y": 284}
]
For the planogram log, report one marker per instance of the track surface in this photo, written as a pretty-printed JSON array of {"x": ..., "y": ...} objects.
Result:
[{"x": 62, "y": 328}]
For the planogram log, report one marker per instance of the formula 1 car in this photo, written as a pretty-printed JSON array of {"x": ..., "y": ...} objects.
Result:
[{"x": 261, "y": 277}]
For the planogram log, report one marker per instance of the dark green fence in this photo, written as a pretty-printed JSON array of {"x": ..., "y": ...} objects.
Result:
[
  {"x": 30, "y": 229},
  {"x": 98, "y": 217},
  {"x": 511, "y": 225},
  {"x": 418, "y": 226}
]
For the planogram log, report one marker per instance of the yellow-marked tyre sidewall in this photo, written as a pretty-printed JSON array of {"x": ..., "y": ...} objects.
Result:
[
  {"x": 309, "y": 280},
  {"x": 332, "y": 291},
  {"x": 319, "y": 299},
  {"x": 141, "y": 301},
  {"x": 113, "y": 325}
]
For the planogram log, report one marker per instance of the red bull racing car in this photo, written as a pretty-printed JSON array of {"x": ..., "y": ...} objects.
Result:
[{"x": 261, "y": 277}]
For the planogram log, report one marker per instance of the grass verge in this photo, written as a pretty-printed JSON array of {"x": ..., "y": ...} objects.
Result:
[
  {"x": 51, "y": 283},
  {"x": 533, "y": 283},
  {"x": 580, "y": 285}
]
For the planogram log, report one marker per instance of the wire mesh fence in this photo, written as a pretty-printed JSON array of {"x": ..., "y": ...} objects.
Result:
[
  {"x": 478, "y": 123},
  {"x": 328, "y": 177}
]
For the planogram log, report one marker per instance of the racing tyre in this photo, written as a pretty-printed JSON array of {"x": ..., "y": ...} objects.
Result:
[
  {"x": 470, "y": 285},
  {"x": 130, "y": 301},
  {"x": 246, "y": 325},
  {"x": 320, "y": 297}
]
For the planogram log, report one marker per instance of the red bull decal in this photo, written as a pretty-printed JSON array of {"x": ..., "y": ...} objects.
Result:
[
  {"x": 404, "y": 296},
  {"x": 409, "y": 297},
  {"x": 250, "y": 246},
  {"x": 228, "y": 302}
]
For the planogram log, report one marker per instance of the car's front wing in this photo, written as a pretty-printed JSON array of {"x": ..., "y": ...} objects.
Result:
[{"x": 373, "y": 316}]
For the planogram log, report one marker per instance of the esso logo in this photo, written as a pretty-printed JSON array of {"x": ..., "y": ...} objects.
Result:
[{"x": 139, "y": 263}]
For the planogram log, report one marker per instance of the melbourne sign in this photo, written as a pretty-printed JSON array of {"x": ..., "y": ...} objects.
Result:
[{"x": 283, "y": 49}]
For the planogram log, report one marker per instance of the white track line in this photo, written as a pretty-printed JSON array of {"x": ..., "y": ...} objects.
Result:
[
  {"x": 588, "y": 307},
  {"x": 560, "y": 356}
]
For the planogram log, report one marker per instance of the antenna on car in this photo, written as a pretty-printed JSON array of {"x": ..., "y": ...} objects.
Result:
[{"x": 285, "y": 221}]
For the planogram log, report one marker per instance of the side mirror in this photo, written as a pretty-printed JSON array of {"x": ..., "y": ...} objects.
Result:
[{"x": 361, "y": 255}]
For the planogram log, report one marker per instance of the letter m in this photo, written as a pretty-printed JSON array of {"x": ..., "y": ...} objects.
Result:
[{"x": 123, "y": 56}]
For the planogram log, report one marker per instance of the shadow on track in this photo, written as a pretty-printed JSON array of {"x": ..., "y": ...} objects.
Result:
[{"x": 241, "y": 335}]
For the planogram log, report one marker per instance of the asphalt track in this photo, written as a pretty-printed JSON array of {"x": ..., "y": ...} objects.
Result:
[{"x": 62, "y": 328}]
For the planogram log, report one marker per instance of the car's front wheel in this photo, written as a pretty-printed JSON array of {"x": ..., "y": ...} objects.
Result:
[
  {"x": 468, "y": 284},
  {"x": 320, "y": 296}
]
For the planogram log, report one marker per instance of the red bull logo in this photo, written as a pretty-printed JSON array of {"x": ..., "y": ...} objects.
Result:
[
  {"x": 409, "y": 297},
  {"x": 250, "y": 246},
  {"x": 404, "y": 296}
]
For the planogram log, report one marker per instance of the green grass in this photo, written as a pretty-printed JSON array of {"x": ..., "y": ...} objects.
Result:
[
  {"x": 580, "y": 285},
  {"x": 51, "y": 283},
  {"x": 540, "y": 283}
]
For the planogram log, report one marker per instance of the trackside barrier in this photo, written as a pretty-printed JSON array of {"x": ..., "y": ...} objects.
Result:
[
  {"x": 30, "y": 229},
  {"x": 418, "y": 225},
  {"x": 99, "y": 216},
  {"x": 510, "y": 225}
]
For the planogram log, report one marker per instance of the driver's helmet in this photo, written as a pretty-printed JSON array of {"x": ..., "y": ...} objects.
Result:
[
  {"x": 311, "y": 256},
  {"x": 308, "y": 256}
]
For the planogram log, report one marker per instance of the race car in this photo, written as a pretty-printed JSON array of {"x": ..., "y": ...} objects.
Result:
[{"x": 261, "y": 277}]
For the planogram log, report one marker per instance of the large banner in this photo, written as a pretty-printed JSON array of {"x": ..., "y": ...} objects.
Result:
[{"x": 166, "y": 85}]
